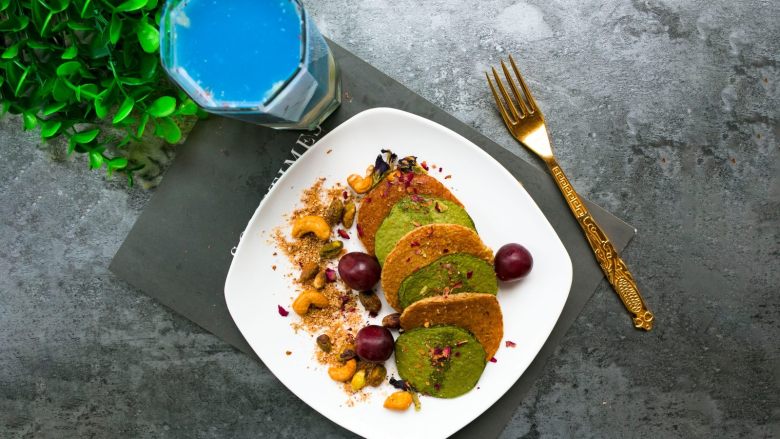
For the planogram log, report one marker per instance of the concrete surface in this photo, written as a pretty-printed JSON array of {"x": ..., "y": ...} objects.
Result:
[{"x": 665, "y": 112}]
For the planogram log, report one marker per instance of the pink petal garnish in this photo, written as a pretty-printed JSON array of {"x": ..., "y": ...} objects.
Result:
[
  {"x": 493, "y": 360},
  {"x": 343, "y": 233},
  {"x": 330, "y": 275},
  {"x": 469, "y": 274},
  {"x": 282, "y": 312},
  {"x": 510, "y": 344}
]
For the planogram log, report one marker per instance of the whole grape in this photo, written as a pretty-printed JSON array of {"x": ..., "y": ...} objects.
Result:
[
  {"x": 374, "y": 343},
  {"x": 513, "y": 261},
  {"x": 359, "y": 270}
]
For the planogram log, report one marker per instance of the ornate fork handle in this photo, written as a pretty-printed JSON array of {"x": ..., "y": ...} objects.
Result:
[{"x": 613, "y": 266}]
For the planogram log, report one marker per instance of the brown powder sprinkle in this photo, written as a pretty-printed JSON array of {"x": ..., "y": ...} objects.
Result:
[{"x": 340, "y": 320}]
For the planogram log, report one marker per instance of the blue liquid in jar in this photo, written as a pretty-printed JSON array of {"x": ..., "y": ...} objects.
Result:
[{"x": 235, "y": 53}]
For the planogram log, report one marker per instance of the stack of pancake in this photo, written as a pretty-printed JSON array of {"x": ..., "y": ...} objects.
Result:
[{"x": 436, "y": 271}]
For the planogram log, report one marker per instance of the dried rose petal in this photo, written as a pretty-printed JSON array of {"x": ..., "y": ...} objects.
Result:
[
  {"x": 436, "y": 386},
  {"x": 440, "y": 169},
  {"x": 414, "y": 244},
  {"x": 469, "y": 274},
  {"x": 510, "y": 344},
  {"x": 330, "y": 275},
  {"x": 493, "y": 360},
  {"x": 282, "y": 312},
  {"x": 360, "y": 231},
  {"x": 424, "y": 165},
  {"x": 446, "y": 352},
  {"x": 343, "y": 233},
  {"x": 345, "y": 195}
]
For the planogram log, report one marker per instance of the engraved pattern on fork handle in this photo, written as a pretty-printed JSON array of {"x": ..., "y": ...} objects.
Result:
[{"x": 611, "y": 263}]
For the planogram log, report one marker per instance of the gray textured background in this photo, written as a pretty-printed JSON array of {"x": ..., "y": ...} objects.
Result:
[{"x": 664, "y": 112}]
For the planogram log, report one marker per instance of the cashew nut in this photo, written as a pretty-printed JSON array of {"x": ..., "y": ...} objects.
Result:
[
  {"x": 400, "y": 400},
  {"x": 311, "y": 224},
  {"x": 343, "y": 373},
  {"x": 360, "y": 184},
  {"x": 309, "y": 298}
]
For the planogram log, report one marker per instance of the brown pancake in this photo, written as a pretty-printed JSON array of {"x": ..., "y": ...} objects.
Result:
[
  {"x": 424, "y": 245},
  {"x": 378, "y": 201},
  {"x": 477, "y": 312}
]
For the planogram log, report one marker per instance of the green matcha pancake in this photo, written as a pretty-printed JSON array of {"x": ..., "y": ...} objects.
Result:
[
  {"x": 414, "y": 211},
  {"x": 451, "y": 274},
  {"x": 441, "y": 361}
]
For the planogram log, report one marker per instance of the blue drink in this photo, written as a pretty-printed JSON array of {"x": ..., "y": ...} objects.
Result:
[{"x": 263, "y": 61}]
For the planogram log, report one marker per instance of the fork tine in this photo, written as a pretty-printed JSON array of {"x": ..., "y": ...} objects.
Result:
[
  {"x": 500, "y": 104},
  {"x": 508, "y": 100},
  {"x": 528, "y": 95},
  {"x": 523, "y": 109}
]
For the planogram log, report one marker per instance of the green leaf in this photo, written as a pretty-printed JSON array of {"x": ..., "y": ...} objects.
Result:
[
  {"x": 14, "y": 24},
  {"x": 70, "y": 52},
  {"x": 162, "y": 106},
  {"x": 188, "y": 108},
  {"x": 4, "y": 4},
  {"x": 75, "y": 25},
  {"x": 117, "y": 163},
  {"x": 68, "y": 68},
  {"x": 2, "y": 80},
  {"x": 89, "y": 91},
  {"x": 101, "y": 109},
  {"x": 115, "y": 29},
  {"x": 84, "y": 8},
  {"x": 46, "y": 22},
  {"x": 95, "y": 159},
  {"x": 38, "y": 45},
  {"x": 148, "y": 36},
  {"x": 30, "y": 121},
  {"x": 12, "y": 51},
  {"x": 53, "y": 108},
  {"x": 131, "y": 5},
  {"x": 61, "y": 92},
  {"x": 49, "y": 128},
  {"x": 21, "y": 80},
  {"x": 124, "y": 110},
  {"x": 86, "y": 136},
  {"x": 142, "y": 125},
  {"x": 168, "y": 130},
  {"x": 55, "y": 5}
]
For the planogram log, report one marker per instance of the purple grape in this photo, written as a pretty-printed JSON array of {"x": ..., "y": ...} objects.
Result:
[
  {"x": 374, "y": 343},
  {"x": 359, "y": 270},
  {"x": 513, "y": 261}
]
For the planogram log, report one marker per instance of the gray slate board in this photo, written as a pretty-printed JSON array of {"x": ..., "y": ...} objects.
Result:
[{"x": 179, "y": 248}]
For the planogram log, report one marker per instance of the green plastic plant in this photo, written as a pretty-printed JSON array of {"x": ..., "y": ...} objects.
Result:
[{"x": 89, "y": 70}]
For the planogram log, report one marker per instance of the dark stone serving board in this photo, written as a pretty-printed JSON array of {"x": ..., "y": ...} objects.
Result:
[{"x": 179, "y": 249}]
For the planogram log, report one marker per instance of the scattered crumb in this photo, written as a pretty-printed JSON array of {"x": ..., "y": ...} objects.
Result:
[
  {"x": 328, "y": 151},
  {"x": 447, "y": 177},
  {"x": 273, "y": 267},
  {"x": 288, "y": 353}
]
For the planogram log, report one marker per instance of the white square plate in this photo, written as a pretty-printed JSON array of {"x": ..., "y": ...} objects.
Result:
[{"x": 502, "y": 211}]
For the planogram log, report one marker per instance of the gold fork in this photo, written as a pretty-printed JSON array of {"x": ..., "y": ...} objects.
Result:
[{"x": 526, "y": 123}]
